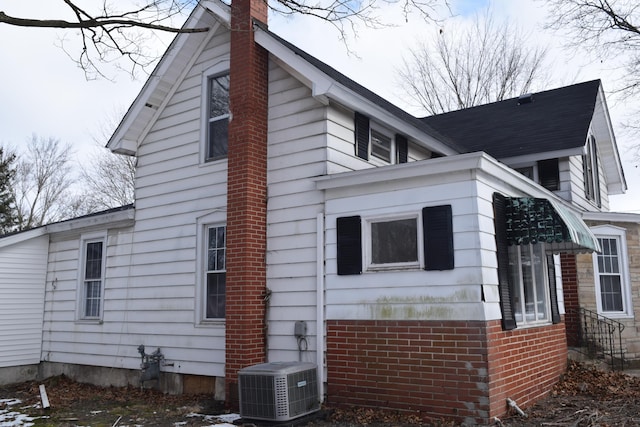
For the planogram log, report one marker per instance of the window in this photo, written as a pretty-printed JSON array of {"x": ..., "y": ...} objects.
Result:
[
  {"x": 590, "y": 172},
  {"x": 217, "y": 117},
  {"x": 215, "y": 273},
  {"x": 393, "y": 243},
  {"x": 611, "y": 272},
  {"x": 549, "y": 174},
  {"x": 381, "y": 146},
  {"x": 528, "y": 278},
  {"x": 91, "y": 278},
  {"x": 377, "y": 142}
]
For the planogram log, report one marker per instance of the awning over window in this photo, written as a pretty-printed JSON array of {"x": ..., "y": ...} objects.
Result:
[{"x": 533, "y": 220}]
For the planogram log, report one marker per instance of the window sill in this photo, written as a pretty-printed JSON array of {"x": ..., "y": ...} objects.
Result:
[
  {"x": 615, "y": 315},
  {"x": 89, "y": 321},
  {"x": 377, "y": 269},
  {"x": 210, "y": 323}
]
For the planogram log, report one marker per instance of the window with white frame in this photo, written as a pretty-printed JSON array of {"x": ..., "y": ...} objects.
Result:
[
  {"x": 215, "y": 289},
  {"x": 394, "y": 242},
  {"x": 381, "y": 146},
  {"x": 528, "y": 275},
  {"x": 611, "y": 272},
  {"x": 92, "y": 278},
  {"x": 217, "y": 134}
]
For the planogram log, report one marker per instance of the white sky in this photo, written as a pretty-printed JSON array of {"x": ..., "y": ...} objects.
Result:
[{"x": 43, "y": 92}]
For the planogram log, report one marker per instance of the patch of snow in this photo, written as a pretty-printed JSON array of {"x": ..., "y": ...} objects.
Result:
[{"x": 228, "y": 418}]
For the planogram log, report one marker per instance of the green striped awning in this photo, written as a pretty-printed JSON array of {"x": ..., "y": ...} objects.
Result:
[{"x": 533, "y": 220}]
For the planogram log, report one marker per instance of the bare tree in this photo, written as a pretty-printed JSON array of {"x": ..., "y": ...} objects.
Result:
[
  {"x": 42, "y": 183},
  {"x": 108, "y": 32},
  {"x": 609, "y": 29},
  {"x": 461, "y": 68},
  {"x": 107, "y": 180}
]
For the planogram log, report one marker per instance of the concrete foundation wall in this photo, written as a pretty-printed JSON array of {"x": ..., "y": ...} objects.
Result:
[
  {"x": 170, "y": 383},
  {"x": 18, "y": 374}
]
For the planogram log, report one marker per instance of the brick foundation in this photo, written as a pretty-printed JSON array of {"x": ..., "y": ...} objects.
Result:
[{"x": 460, "y": 370}]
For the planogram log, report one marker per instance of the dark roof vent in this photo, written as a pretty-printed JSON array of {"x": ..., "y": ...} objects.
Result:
[{"x": 527, "y": 98}]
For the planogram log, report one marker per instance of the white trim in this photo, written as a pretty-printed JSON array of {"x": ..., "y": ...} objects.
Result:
[
  {"x": 217, "y": 217},
  {"x": 220, "y": 68},
  {"x": 85, "y": 239},
  {"x": 22, "y": 236},
  {"x": 367, "y": 221},
  {"x": 620, "y": 235},
  {"x": 611, "y": 216},
  {"x": 547, "y": 155}
]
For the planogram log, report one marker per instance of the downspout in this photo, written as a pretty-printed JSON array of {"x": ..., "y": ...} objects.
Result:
[{"x": 320, "y": 303}]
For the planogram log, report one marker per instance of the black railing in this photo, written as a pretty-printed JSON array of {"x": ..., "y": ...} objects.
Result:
[{"x": 601, "y": 337}]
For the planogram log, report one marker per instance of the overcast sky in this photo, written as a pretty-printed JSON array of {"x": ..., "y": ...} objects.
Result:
[{"x": 43, "y": 92}]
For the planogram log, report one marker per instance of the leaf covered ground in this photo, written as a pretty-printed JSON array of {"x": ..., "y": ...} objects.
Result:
[{"x": 585, "y": 397}]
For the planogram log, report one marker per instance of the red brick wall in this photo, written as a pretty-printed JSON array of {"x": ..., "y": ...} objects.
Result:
[
  {"x": 246, "y": 195},
  {"x": 571, "y": 300},
  {"x": 461, "y": 370},
  {"x": 524, "y": 363},
  {"x": 436, "y": 368}
]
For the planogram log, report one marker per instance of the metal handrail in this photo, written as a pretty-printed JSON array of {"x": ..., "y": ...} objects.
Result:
[{"x": 601, "y": 337}]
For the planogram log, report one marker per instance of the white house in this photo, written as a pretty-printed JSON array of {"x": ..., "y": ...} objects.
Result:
[{"x": 284, "y": 212}]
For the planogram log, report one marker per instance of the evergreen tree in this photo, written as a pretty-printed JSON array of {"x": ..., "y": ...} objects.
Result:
[{"x": 8, "y": 219}]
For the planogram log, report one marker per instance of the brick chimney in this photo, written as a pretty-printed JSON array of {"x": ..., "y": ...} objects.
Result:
[{"x": 246, "y": 196}]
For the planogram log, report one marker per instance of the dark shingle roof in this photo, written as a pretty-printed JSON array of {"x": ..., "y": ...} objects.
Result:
[{"x": 554, "y": 120}]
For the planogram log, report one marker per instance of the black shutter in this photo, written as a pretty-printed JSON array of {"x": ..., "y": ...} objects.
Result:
[
  {"x": 437, "y": 226},
  {"x": 362, "y": 136},
  {"x": 402, "y": 148},
  {"x": 349, "y": 252},
  {"x": 502, "y": 252},
  {"x": 553, "y": 292}
]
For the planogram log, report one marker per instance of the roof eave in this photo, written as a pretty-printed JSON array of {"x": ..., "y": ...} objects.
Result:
[
  {"x": 153, "y": 96},
  {"x": 323, "y": 88}
]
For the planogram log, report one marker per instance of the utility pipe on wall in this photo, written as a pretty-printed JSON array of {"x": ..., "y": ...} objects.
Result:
[{"x": 320, "y": 303}]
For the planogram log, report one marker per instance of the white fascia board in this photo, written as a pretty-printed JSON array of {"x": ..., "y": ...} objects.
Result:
[
  {"x": 114, "y": 219},
  {"x": 530, "y": 158},
  {"x": 159, "y": 73},
  {"x": 324, "y": 87},
  {"x": 616, "y": 183},
  {"x": 22, "y": 236},
  {"x": 611, "y": 216},
  {"x": 476, "y": 164}
]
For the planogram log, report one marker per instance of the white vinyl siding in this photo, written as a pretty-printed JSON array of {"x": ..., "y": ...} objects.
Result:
[{"x": 22, "y": 290}]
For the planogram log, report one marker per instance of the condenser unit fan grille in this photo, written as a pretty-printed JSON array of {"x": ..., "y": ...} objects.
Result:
[{"x": 278, "y": 391}]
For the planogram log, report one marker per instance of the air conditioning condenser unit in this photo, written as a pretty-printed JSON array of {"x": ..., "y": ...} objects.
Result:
[{"x": 278, "y": 391}]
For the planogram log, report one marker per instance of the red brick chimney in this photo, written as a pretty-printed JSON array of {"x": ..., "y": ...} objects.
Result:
[{"x": 246, "y": 196}]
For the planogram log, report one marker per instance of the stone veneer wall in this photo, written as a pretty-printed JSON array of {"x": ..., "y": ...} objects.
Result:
[{"x": 587, "y": 290}]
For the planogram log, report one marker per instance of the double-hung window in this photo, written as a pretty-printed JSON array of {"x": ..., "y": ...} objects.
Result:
[
  {"x": 92, "y": 279},
  {"x": 215, "y": 292},
  {"x": 217, "y": 117},
  {"x": 611, "y": 272},
  {"x": 529, "y": 281}
]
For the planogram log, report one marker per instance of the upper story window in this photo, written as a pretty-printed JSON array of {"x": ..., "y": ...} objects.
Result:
[
  {"x": 545, "y": 172},
  {"x": 380, "y": 144},
  {"x": 91, "y": 281},
  {"x": 611, "y": 272},
  {"x": 591, "y": 171},
  {"x": 217, "y": 117}
]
